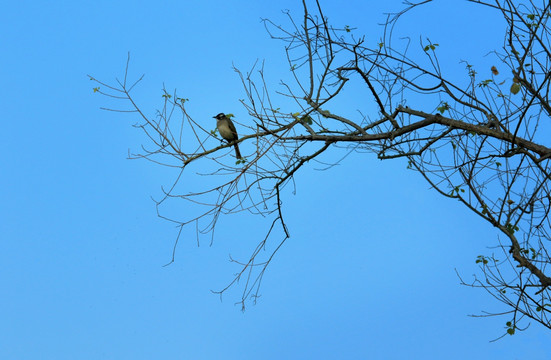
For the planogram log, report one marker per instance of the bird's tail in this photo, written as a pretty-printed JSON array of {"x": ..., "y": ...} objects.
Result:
[{"x": 237, "y": 153}]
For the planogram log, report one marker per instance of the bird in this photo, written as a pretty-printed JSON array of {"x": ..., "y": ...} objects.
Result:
[{"x": 227, "y": 130}]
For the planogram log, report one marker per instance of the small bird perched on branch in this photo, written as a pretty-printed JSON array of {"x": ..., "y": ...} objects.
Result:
[{"x": 227, "y": 130}]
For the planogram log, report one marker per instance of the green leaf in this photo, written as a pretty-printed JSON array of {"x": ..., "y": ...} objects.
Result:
[
  {"x": 481, "y": 259},
  {"x": 240, "y": 161},
  {"x": 485, "y": 83},
  {"x": 443, "y": 107},
  {"x": 471, "y": 71},
  {"x": 307, "y": 119},
  {"x": 347, "y": 28},
  {"x": 430, "y": 47},
  {"x": 515, "y": 88},
  {"x": 511, "y": 331},
  {"x": 96, "y": 89},
  {"x": 510, "y": 228},
  {"x": 457, "y": 190}
]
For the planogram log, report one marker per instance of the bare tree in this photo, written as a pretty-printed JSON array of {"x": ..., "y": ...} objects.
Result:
[{"x": 478, "y": 141}]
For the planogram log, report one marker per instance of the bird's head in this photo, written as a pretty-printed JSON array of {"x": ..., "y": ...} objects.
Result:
[{"x": 219, "y": 116}]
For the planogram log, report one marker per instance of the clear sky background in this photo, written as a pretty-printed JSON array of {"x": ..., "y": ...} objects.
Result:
[{"x": 369, "y": 272}]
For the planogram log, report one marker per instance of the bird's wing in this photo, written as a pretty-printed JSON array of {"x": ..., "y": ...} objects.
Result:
[{"x": 232, "y": 127}]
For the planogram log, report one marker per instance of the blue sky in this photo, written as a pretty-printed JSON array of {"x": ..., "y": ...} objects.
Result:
[{"x": 369, "y": 270}]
